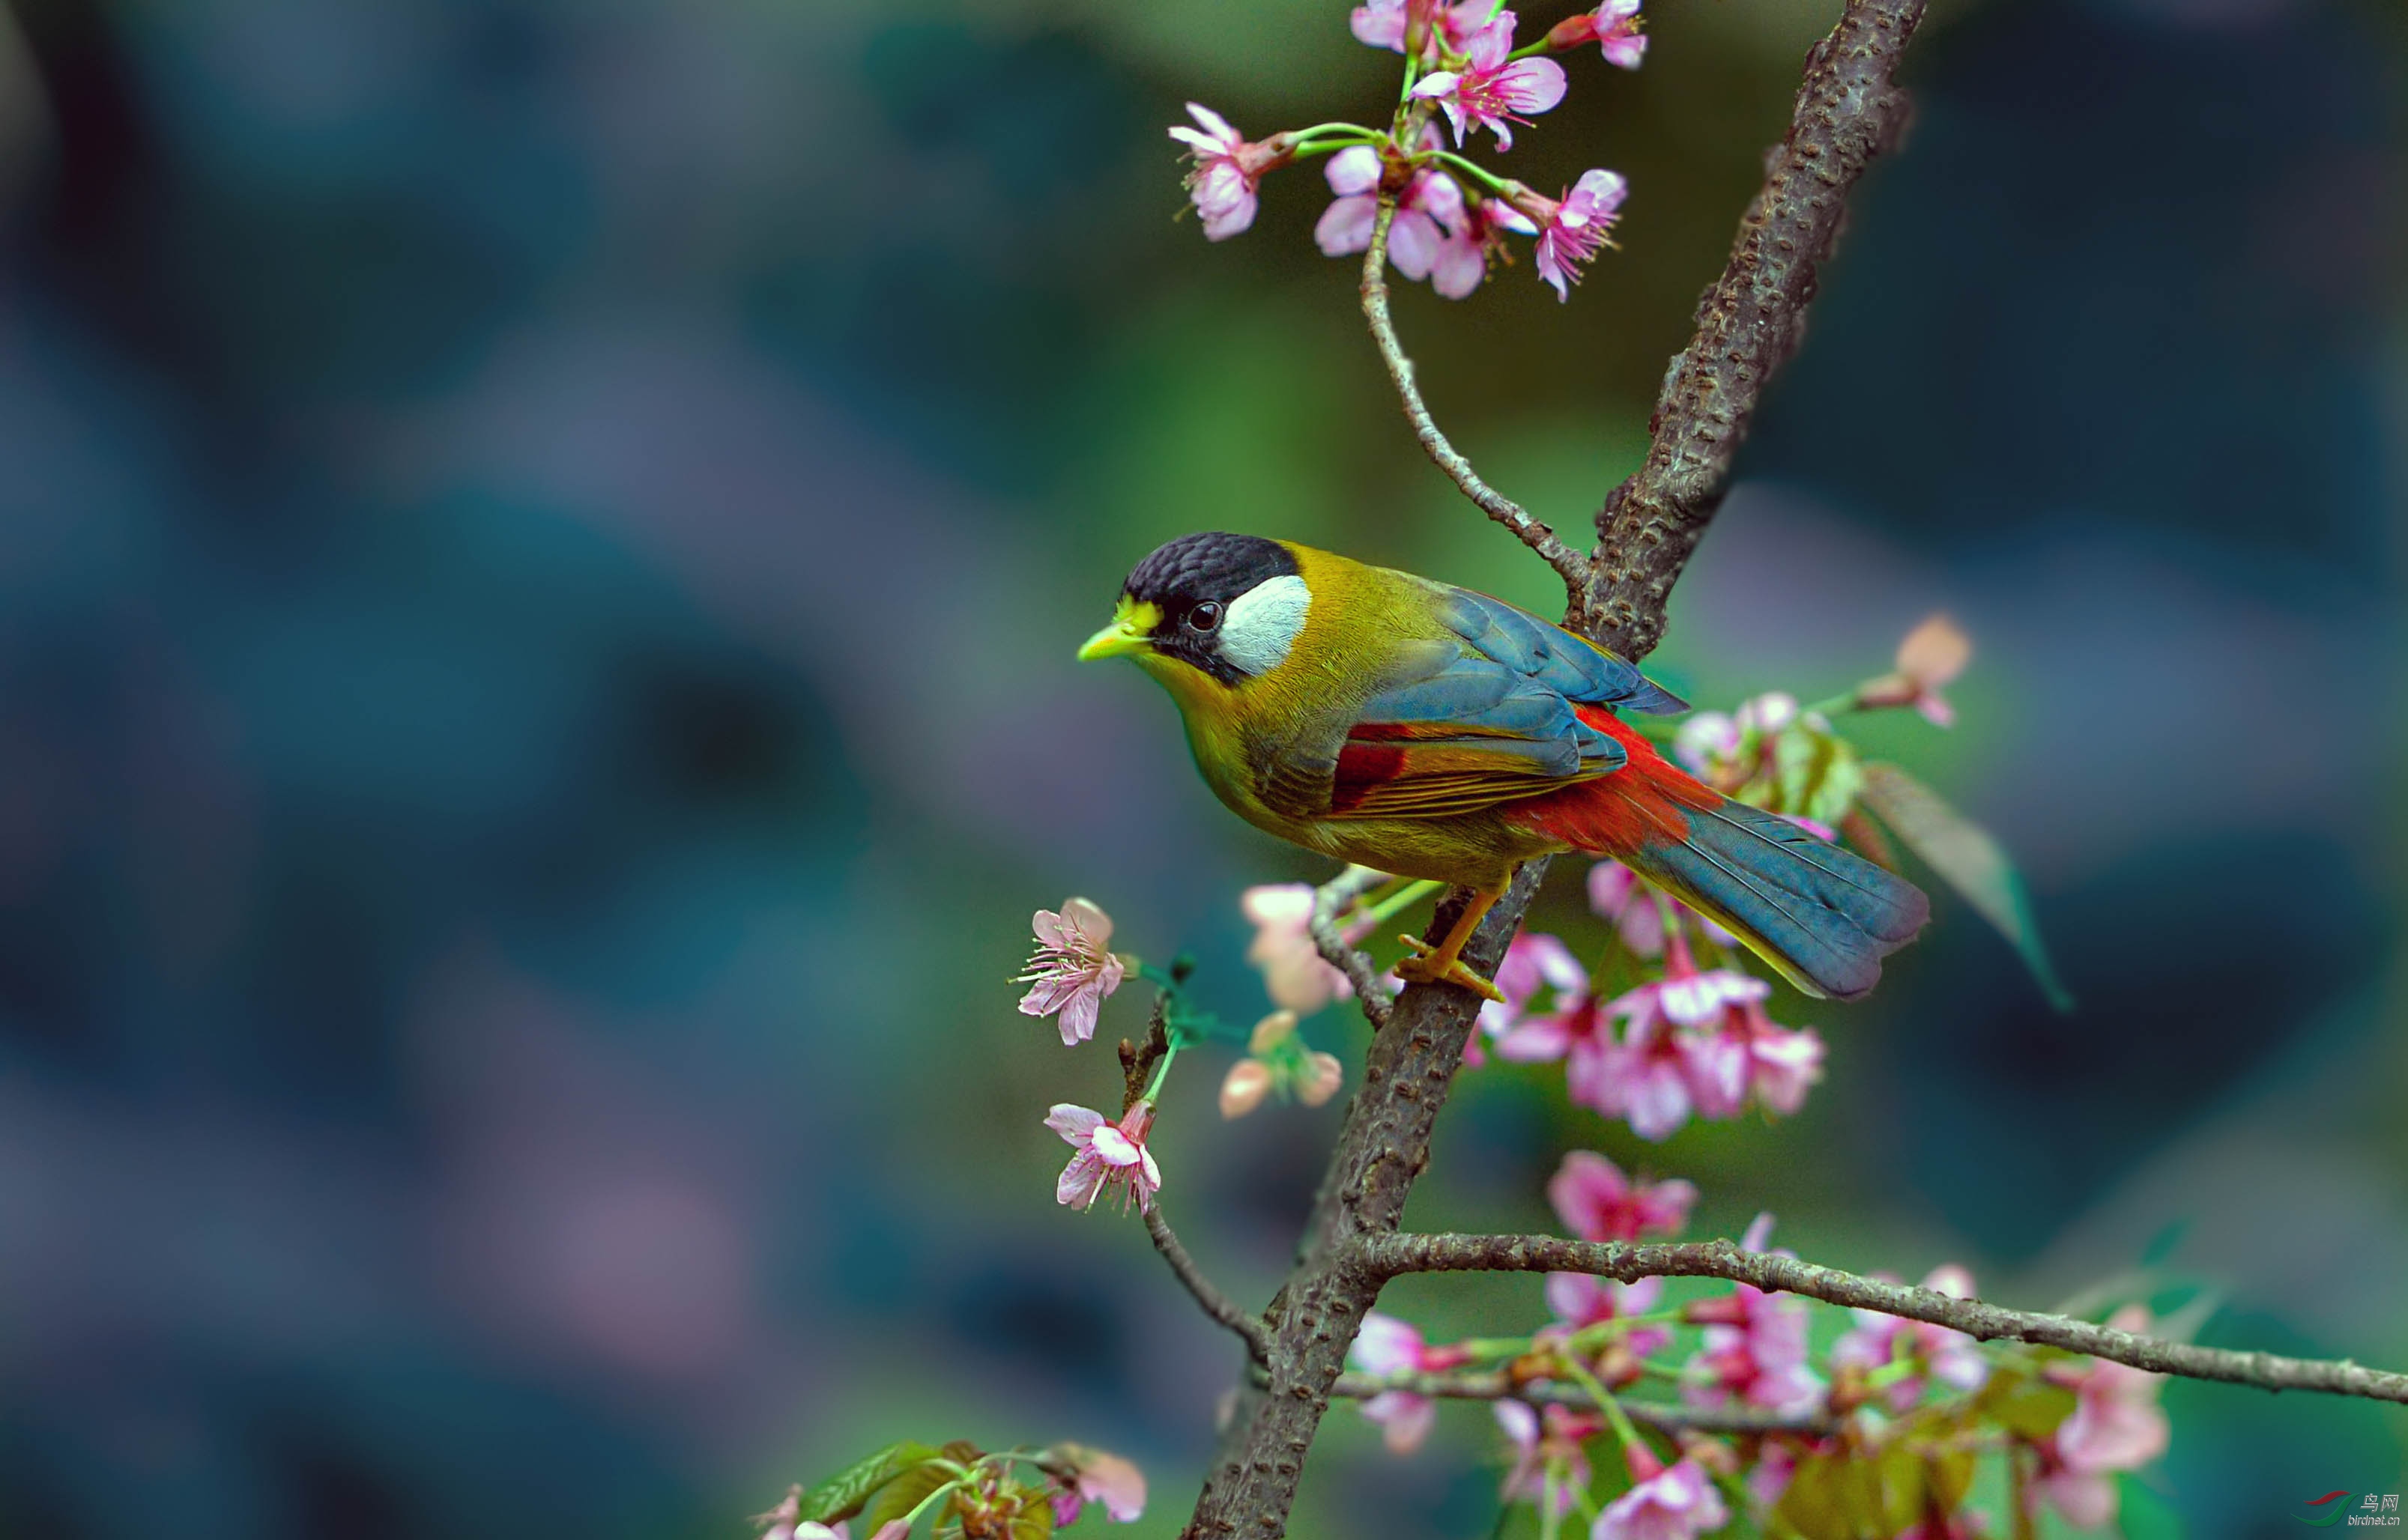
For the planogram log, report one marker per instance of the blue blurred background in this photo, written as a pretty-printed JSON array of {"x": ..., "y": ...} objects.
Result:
[{"x": 540, "y": 542}]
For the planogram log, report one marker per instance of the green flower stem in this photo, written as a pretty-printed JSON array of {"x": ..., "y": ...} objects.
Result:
[
  {"x": 1495, "y": 1347},
  {"x": 1614, "y": 1414},
  {"x": 1163, "y": 1069},
  {"x": 1405, "y": 898},
  {"x": 946, "y": 1490},
  {"x": 1473, "y": 169},
  {"x": 1304, "y": 134},
  {"x": 1834, "y": 707}
]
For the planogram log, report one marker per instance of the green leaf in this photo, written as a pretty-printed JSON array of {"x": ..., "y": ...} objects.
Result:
[
  {"x": 1034, "y": 1522},
  {"x": 1950, "y": 1476},
  {"x": 2027, "y": 1408},
  {"x": 843, "y": 1494},
  {"x": 1968, "y": 859},
  {"x": 904, "y": 1493},
  {"x": 1832, "y": 1497}
]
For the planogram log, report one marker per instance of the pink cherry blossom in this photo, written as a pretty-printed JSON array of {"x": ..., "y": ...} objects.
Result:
[
  {"x": 1708, "y": 743},
  {"x": 1576, "y": 1030},
  {"x": 1428, "y": 234},
  {"x": 1618, "y": 895},
  {"x": 1650, "y": 1078},
  {"x": 1462, "y": 261},
  {"x": 1073, "y": 969},
  {"x": 1493, "y": 89},
  {"x": 1670, "y": 1503},
  {"x": 1533, "y": 961},
  {"x": 1768, "y": 715},
  {"x": 1099, "y": 1478},
  {"x": 1755, "y": 1345},
  {"x": 1549, "y": 1469},
  {"x": 1573, "y": 228},
  {"x": 1613, "y": 26},
  {"x": 2117, "y": 1425},
  {"x": 1938, "y": 1353},
  {"x": 1745, "y": 1056},
  {"x": 1578, "y": 1300},
  {"x": 1384, "y": 24},
  {"x": 1109, "y": 1155},
  {"x": 1294, "y": 974},
  {"x": 1598, "y": 1203},
  {"x": 1932, "y": 655},
  {"x": 1228, "y": 169},
  {"x": 1385, "y": 1347}
]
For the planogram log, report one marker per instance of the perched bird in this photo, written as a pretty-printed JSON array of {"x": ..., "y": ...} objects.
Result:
[{"x": 1432, "y": 732}]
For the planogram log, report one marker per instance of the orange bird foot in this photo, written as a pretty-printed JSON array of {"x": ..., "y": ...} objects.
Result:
[{"x": 1439, "y": 966}]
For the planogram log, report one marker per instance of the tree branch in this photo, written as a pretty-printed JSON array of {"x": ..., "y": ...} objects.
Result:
[
  {"x": 1389, "y": 1255},
  {"x": 1216, "y": 1304},
  {"x": 1572, "y": 566},
  {"x": 1327, "y": 900},
  {"x": 1382, "y": 1147},
  {"x": 1661, "y": 1416},
  {"x": 1749, "y": 324}
]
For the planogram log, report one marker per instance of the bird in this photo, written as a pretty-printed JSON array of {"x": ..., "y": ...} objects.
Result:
[{"x": 1431, "y": 731}]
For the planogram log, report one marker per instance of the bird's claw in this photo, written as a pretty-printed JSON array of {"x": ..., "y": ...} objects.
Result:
[{"x": 1424, "y": 967}]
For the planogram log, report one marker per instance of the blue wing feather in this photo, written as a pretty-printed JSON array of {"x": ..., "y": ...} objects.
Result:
[
  {"x": 1492, "y": 722},
  {"x": 1573, "y": 666}
]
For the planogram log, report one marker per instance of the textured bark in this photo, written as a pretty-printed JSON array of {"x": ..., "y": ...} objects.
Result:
[
  {"x": 1749, "y": 324},
  {"x": 1382, "y": 1147}
]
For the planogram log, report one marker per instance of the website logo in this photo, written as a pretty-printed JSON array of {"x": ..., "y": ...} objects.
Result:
[{"x": 2380, "y": 1509}]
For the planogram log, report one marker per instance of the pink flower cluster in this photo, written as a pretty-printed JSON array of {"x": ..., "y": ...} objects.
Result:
[
  {"x": 1754, "y": 1351},
  {"x": 1465, "y": 67},
  {"x": 1492, "y": 89},
  {"x": 1934, "y": 1353},
  {"x": 2116, "y": 1426},
  {"x": 1385, "y": 1347},
  {"x": 1694, "y": 1042},
  {"x": 1667, "y": 1503}
]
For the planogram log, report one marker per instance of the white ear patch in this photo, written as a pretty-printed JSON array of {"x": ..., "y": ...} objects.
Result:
[{"x": 1263, "y": 623}]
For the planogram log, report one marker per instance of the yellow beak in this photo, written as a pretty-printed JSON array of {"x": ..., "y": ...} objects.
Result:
[
  {"x": 1115, "y": 640},
  {"x": 1131, "y": 631}
]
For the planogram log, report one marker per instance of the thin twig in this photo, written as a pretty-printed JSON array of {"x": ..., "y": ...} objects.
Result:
[
  {"x": 1327, "y": 900},
  {"x": 1391, "y": 1255},
  {"x": 1663, "y": 1417},
  {"x": 1749, "y": 324},
  {"x": 1216, "y": 1304},
  {"x": 1571, "y": 565},
  {"x": 1137, "y": 1062}
]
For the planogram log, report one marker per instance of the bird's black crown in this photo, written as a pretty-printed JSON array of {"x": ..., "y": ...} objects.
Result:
[
  {"x": 1212, "y": 567},
  {"x": 1192, "y": 581}
]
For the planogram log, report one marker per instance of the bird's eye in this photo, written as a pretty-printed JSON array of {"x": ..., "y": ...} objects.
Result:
[{"x": 1205, "y": 617}]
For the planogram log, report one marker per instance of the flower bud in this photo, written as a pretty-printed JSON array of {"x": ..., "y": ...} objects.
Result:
[
  {"x": 1322, "y": 1078},
  {"x": 1248, "y": 1082},
  {"x": 1270, "y": 1032}
]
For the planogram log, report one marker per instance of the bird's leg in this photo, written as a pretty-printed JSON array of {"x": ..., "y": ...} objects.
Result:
[{"x": 1445, "y": 964}]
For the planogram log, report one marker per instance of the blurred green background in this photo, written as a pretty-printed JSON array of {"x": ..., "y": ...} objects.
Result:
[{"x": 540, "y": 543}]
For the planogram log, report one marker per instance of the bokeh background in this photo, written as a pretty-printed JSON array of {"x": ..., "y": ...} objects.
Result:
[{"x": 540, "y": 542}]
